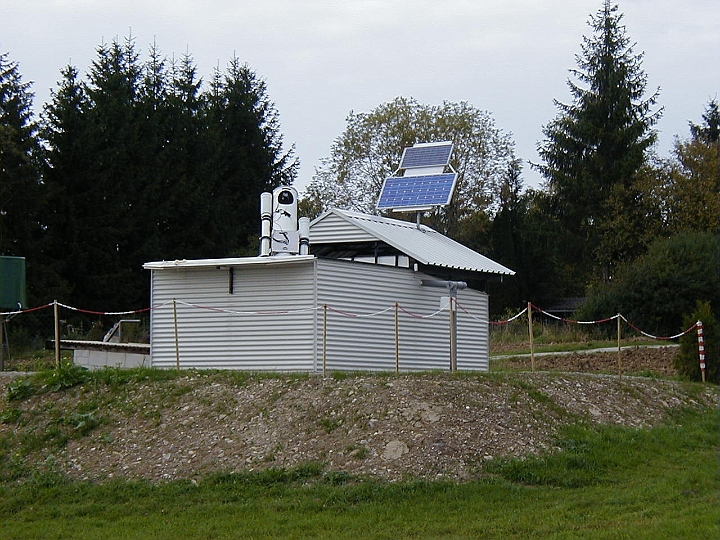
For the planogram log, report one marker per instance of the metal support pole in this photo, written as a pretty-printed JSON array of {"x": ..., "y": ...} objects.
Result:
[
  {"x": 452, "y": 289},
  {"x": 2, "y": 343},
  {"x": 701, "y": 349}
]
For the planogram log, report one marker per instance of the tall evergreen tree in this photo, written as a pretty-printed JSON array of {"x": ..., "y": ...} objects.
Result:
[
  {"x": 245, "y": 153},
  {"x": 596, "y": 145},
  {"x": 144, "y": 165},
  {"x": 178, "y": 193},
  {"x": 67, "y": 175},
  {"x": 20, "y": 157}
]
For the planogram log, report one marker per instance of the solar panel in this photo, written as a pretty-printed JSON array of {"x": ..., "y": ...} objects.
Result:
[
  {"x": 416, "y": 192},
  {"x": 426, "y": 155}
]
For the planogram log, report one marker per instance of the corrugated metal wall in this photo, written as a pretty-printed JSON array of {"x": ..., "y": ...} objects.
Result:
[
  {"x": 215, "y": 338},
  {"x": 368, "y": 343},
  {"x": 221, "y": 330}
]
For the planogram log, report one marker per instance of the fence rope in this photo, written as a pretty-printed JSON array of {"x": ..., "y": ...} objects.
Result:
[
  {"x": 21, "y": 311},
  {"x": 366, "y": 315},
  {"x": 235, "y": 312},
  {"x": 109, "y": 313},
  {"x": 416, "y": 316},
  {"x": 511, "y": 319},
  {"x": 345, "y": 313}
]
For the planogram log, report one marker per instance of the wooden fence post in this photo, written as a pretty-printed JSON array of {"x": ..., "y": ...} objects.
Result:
[
  {"x": 325, "y": 340},
  {"x": 530, "y": 334},
  {"x": 57, "y": 334},
  {"x": 701, "y": 349},
  {"x": 619, "y": 358},
  {"x": 397, "y": 340},
  {"x": 177, "y": 338}
]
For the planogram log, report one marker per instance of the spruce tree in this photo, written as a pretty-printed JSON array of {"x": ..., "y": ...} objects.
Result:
[
  {"x": 597, "y": 144},
  {"x": 144, "y": 165},
  {"x": 20, "y": 182}
]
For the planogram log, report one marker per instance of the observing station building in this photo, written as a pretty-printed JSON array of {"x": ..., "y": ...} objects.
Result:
[{"x": 347, "y": 292}]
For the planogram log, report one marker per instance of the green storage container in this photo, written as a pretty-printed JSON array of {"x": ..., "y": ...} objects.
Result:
[{"x": 12, "y": 283}]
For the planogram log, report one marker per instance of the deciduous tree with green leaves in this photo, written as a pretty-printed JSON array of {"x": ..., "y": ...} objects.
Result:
[
  {"x": 370, "y": 148},
  {"x": 595, "y": 147},
  {"x": 692, "y": 177}
]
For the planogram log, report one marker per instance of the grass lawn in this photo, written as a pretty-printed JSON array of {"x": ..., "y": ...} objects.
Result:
[{"x": 604, "y": 483}]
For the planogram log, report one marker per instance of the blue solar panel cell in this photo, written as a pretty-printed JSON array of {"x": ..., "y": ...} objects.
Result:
[
  {"x": 412, "y": 192},
  {"x": 426, "y": 156}
]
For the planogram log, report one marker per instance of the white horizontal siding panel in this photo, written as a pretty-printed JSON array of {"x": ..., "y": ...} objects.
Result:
[
  {"x": 267, "y": 323},
  {"x": 368, "y": 343},
  {"x": 473, "y": 331}
]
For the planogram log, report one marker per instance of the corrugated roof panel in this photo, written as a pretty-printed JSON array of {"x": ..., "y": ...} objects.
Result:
[
  {"x": 329, "y": 229},
  {"x": 423, "y": 244}
]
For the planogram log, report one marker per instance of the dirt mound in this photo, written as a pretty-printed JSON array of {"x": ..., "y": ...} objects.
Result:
[{"x": 386, "y": 426}]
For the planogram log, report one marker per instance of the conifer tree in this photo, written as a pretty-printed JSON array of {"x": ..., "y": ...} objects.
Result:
[
  {"x": 596, "y": 145},
  {"x": 20, "y": 157},
  {"x": 145, "y": 165}
]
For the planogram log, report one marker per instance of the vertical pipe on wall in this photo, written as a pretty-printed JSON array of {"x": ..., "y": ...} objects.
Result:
[
  {"x": 266, "y": 200},
  {"x": 324, "y": 340},
  {"x": 304, "y": 229},
  {"x": 453, "y": 335}
]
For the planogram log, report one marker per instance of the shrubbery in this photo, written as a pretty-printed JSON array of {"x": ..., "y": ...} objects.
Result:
[{"x": 659, "y": 289}]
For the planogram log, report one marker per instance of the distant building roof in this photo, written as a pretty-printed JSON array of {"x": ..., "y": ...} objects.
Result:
[
  {"x": 565, "y": 306},
  {"x": 346, "y": 229}
]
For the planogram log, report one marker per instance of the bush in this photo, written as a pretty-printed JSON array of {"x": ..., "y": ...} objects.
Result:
[
  {"x": 659, "y": 288},
  {"x": 687, "y": 361}
]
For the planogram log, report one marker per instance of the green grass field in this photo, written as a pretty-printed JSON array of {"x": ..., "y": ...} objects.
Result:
[{"x": 604, "y": 483}]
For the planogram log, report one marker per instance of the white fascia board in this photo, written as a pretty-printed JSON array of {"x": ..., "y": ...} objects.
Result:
[{"x": 227, "y": 262}]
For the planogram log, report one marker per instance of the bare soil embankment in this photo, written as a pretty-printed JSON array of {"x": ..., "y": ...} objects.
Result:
[{"x": 430, "y": 426}]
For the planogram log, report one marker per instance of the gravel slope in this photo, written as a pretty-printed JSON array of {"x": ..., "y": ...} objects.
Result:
[{"x": 421, "y": 425}]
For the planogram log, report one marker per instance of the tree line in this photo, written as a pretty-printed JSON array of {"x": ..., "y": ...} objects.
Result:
[
  {"x": 137, "y": 161},
  {"x": 141, "y": 161},
  {"x": 608, "y": 206}
]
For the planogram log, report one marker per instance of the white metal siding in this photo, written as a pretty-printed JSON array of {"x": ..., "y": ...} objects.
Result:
[
  {"x": 229, "y": 333},
  {"x": 368, "y": 343}
]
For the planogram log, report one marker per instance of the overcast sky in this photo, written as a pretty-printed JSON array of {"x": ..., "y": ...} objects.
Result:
[{"x": 322, "y": 59}]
